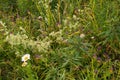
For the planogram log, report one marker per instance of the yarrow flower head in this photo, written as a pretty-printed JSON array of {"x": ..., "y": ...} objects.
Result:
[{"x": 25, "y": 57}]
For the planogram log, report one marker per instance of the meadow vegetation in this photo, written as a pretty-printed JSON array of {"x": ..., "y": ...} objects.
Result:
[{"x": 59, "y": 39}]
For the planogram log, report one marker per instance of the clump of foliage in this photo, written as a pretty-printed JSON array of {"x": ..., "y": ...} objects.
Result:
[{"x": 64, "y": 40}]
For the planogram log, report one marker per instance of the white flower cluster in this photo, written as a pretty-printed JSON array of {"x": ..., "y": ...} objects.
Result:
[
  {"x": 68, "y": 24},
  {"x": 22, "y": 39},
  {"x": 42, "y": 46},
  {"x": 16, "y": 39},
  {"x": 57, "y": 35}
]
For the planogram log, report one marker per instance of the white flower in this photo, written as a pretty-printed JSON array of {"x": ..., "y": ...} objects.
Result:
[
  {"x": 82, "y": 35},
  {"x": 24, "y": 64},
  {"x": 92, "y": 37},
  {"x": 25, "y": 57}
]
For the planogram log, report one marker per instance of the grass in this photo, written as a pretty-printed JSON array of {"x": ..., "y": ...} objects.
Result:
[{"x": 66, "y": 39}]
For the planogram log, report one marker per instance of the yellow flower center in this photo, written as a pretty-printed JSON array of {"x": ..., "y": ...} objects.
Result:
[{"x": 26, "y": 58}]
